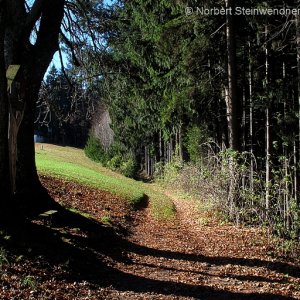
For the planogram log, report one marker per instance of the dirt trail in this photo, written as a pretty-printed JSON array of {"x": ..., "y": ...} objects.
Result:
[
  {"x": 189, "y": 257},
  {"x": 183, "y": 259}
]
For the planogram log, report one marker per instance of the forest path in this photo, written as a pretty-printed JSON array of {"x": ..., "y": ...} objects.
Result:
[
  {"x": 194, "y": 257},
  {"x": 110, "y": 251}
]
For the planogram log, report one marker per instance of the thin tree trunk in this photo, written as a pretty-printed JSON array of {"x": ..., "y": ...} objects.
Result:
[
  {"x": 298, "y": 70},
  {"x": 149, "y": 161},
  {"x": 268, "y": 149},
  {"x": 160, "y": 146},
  {"x": 165, "y": 152},
  {"x": 146, "y": 160},
  {"x": 268, "y": 138},
  {"x": 180, "y": 143},
  {"x": 244, "y": 113},
  {"x": 285, "y": 155},
  {"x": 244, "y": 120},
  {"x": 295, "y": 171},
  {"x": 251, "y": 119},
  {"x": 232, "y": 99},
  {"x": 171, "y": 149}
]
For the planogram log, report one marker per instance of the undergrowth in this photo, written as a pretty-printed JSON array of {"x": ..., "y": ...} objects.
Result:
[{"x": 230, "y": 184}]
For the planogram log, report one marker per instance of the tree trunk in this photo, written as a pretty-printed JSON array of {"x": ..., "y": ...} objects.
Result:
[
  {"x": 161, "y": 157},
  {"x": 251, "y": 119},
  {"x": 147, "y": 159},
  {"x": 27, "y": 180},
  {"x": 4, "y": 165},
  {"x": 231, "y": 95},
  {"x": 34, "y": 61},
  {"x": 171, "y": 149},
  {"x": 295, "y": 177},
  {"x": 180, "y": 144},
  {"x": 286, "y": 160},
  {"x": 268, "y": 149},
  {"x": 267, "y": 128},
  {"x": 298, "y": 70}
]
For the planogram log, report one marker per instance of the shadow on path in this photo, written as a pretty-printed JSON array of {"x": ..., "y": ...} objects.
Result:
[{"x": 87, "y": 254}]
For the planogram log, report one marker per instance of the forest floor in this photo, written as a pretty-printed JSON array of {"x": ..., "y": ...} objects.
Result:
[{"x": 107, "y": 250}]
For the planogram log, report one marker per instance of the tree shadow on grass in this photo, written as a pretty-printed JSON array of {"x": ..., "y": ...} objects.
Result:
[{"x": 87, "y": 245}]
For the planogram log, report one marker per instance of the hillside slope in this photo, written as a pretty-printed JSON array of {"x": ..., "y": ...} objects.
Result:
[{"x": 71, "y": 164}]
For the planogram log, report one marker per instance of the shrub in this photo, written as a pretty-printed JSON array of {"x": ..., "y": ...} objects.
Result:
[
  {"x": 171, "y": 170},
  {"x": 114, "y": 163},
  {"x": 194, "y": 138},
  {"x": 115, "y": 158},
  {"x": 94, "y": 150},
  {"x": 159, "y": 171},
  {"x": 128, "y": 167}
]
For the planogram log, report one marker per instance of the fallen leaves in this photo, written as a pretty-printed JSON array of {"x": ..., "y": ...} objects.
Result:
[
  {"x": 93, "y": 202},
  {"x": 177, "y": 259}
]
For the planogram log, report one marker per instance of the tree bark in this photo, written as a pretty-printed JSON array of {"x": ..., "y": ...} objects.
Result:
[
  {"x": 34, "y": 61},
  {"x": 250, "y": 81},
  {"x": 231, "y": 96},
  {"x": 297, "y": 157},
  {"x": 4, "y": 165},
  {"x": 27, "y": 179},
  {"x": 267, "y": 128}
]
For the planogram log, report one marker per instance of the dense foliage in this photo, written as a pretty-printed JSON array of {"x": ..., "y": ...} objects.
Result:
[
  {"x": 183, "y": 89},
  {"x": 116, "y": 157}
]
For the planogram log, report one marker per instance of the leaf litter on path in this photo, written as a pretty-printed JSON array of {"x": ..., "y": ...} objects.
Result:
[{"x": 149, "y": 259}]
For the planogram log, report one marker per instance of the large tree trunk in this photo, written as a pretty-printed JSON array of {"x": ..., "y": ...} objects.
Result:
[
  {"x": 4, "y": 165},
  {"x": 27, "y": 179},
  {"x": 34, "y": 61}
]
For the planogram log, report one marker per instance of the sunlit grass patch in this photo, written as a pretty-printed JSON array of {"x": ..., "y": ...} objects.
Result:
[{"x": 71, "y": 164}]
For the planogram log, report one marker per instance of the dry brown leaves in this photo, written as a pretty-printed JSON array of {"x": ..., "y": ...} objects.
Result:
[{"x": 180, "y": 259}]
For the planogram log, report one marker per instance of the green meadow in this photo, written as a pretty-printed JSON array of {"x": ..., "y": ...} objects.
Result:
[{"x": 71, "y": 164}]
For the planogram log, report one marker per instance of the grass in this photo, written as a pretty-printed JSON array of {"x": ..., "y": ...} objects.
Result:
[
  {"x": 162, "y": 207},
  {"x": 3, "y": 258},
  {"x": 30, "y": 281},
  {"x": 106, "y": 220},
  {"x": 76, "y": 211},
  {"x": 71, "y": 164}
]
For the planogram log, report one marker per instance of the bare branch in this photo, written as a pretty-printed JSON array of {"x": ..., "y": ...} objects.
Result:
[
  {"x": 217, "y": 30},
  {"x": 71, "y": 47},
  {"x": 33, "y": 15},
  {"x": 63, "y": 68}
]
